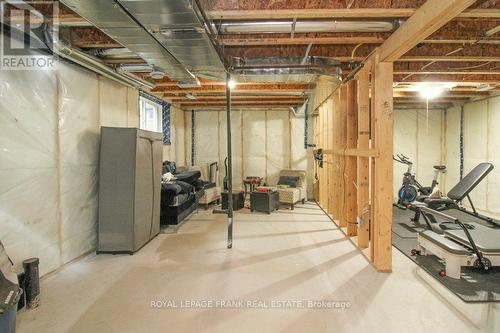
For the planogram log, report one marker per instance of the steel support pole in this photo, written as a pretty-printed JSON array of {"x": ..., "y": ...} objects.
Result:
[{"x": 229, "y": 166}]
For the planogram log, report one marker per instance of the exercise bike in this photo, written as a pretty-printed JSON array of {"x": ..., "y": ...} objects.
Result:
[{"x": 411, "y": 189}]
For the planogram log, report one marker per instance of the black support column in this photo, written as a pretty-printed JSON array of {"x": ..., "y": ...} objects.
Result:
[{"x": 229, "y": 166}]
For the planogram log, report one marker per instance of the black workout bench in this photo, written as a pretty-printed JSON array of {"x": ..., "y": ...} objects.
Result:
[{"x": 459, "y": 192}]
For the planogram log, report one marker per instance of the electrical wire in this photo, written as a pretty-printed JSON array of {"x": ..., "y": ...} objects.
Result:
[
  {"x": 470, "y": 67},
  {"x": 485, "y": 36}
]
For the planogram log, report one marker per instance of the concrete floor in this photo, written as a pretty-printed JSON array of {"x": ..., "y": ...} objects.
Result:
[{"x": 285, "y": 256}]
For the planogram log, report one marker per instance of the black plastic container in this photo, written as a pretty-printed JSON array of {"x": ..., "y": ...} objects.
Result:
[
  {"x": 9, "y": 297},
  {"x": 266, "y": 202},
  {"x": 32, "y": 282},
  {"x": 238, "y": 200}
]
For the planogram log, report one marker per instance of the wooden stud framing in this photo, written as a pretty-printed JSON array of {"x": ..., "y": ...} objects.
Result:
[
  {"x": 358, "y": 158},
  {"x": 351, "y": 161},
  {"x": 341, "y": 159},
  {"x": 382, "y": 133},
  {"x": 328, "y": 108},
  {"x": 326, "y": 166},
  {"x": 335, "y": 173},
  {"x": 363, "y": 205}
]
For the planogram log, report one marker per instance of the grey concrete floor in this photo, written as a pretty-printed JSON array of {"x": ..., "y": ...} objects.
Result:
[{"x": 286, "y": 256}]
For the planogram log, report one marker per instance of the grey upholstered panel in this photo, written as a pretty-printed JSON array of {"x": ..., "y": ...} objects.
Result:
[{"x": 487, "y": 239}]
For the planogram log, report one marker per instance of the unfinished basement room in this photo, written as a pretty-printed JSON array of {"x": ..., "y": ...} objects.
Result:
[{"x": 250, "y": 166}]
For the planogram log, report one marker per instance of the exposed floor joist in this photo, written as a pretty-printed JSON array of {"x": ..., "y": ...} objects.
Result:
[{"x": 458, "y": 51}]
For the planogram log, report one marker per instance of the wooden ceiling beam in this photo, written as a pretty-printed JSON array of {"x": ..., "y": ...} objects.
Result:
[
  {"x": 450, "y": 94},
  {"x": 223, "y": 103},
  {"x": 88, "y": 37},
  {"x": 448, "y": 72},
  {"x": 450, "y": 58},
  {"x": 278, "y": 14},
  {"x": 430, "y": 17},
  {"x": 343, "y": 52},
  {"x": 462, "y": 78},
  {"x": 235, "y": 91},
  {"x": 241, "y": 84},
  {"x": 72, "y": 20},
  {"x": 239, "y": 88},
  {"x": 250, "y": 41},
  {"x": 221, "y": 98},
  {"x": 454, "y": 90},
  {"x": 117, "y": 61},
  {"x": 461, "y": 41},
  {"x": 423, "y": 101},
  {"x": 301, "y": 41}
]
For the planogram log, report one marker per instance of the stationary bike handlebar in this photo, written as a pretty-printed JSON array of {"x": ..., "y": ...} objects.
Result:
[{"x": 402, "y": 159}]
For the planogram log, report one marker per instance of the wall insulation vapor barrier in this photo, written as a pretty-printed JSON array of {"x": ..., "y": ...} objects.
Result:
[
  {"x": 264, "y": 143},
  {"x": 481, "y": 137},
  {"x": 49, "y": 137}
]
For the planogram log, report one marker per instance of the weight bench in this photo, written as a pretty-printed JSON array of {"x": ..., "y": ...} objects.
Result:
[
  {"x": 459, "y": 192},
  {"x": 477, "y": 247}
]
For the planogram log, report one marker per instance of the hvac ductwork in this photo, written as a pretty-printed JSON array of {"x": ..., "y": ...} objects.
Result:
[
  {"x": 114, "y": 53},
  {"x": 167, "y": 34},
  {"x": 290, "y": 69},
  {"x": 288, "y": 27},
  {"x": 95, "y": 65}
]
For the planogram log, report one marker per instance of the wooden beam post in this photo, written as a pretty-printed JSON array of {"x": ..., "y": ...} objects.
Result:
[
  {"x": 324, "y": 140},
  {"x": 336, "y": 175},
  {"x": 351, "y": 161},
  {"x": 319, "y": 133},
  {"x": 383, "y": 172},
  {"x": 363, "y": 204},
  {"x": 341, "y": 158},
  {"x": 431, "y": 16},
  {"x": 328, "y": 106}
]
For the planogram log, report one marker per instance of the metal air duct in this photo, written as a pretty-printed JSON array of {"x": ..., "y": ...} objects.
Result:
[
  {"x": 114, "y": 18},
  {"x": 179, "y": 26},
  {"x": 87, "y": 61},
  {"x": 259, "y": 27}
]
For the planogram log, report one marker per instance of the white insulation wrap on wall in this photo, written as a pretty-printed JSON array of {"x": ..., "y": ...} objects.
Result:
[
  {"x": 264, "y": 142},
  {"x": 418, "y": 135},
  {"x": 49, "y": 143},
  {"x": 28, "y": 167},
  {"x": 481, "y": 135},
  {"x": 452, "y": 145}
]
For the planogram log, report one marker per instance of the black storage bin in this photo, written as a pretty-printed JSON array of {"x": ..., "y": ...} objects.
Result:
[
  {"x": 9, "y": 297},
  {"x": 266, "y": 202},
  {"x": 8, "y": 320},
  {"x": 238, "y": 200}
]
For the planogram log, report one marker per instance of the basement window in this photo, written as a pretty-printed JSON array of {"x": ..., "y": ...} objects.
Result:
[
  {"x": 154, "y": 114},
  {"x": 150, "y": 115}
]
